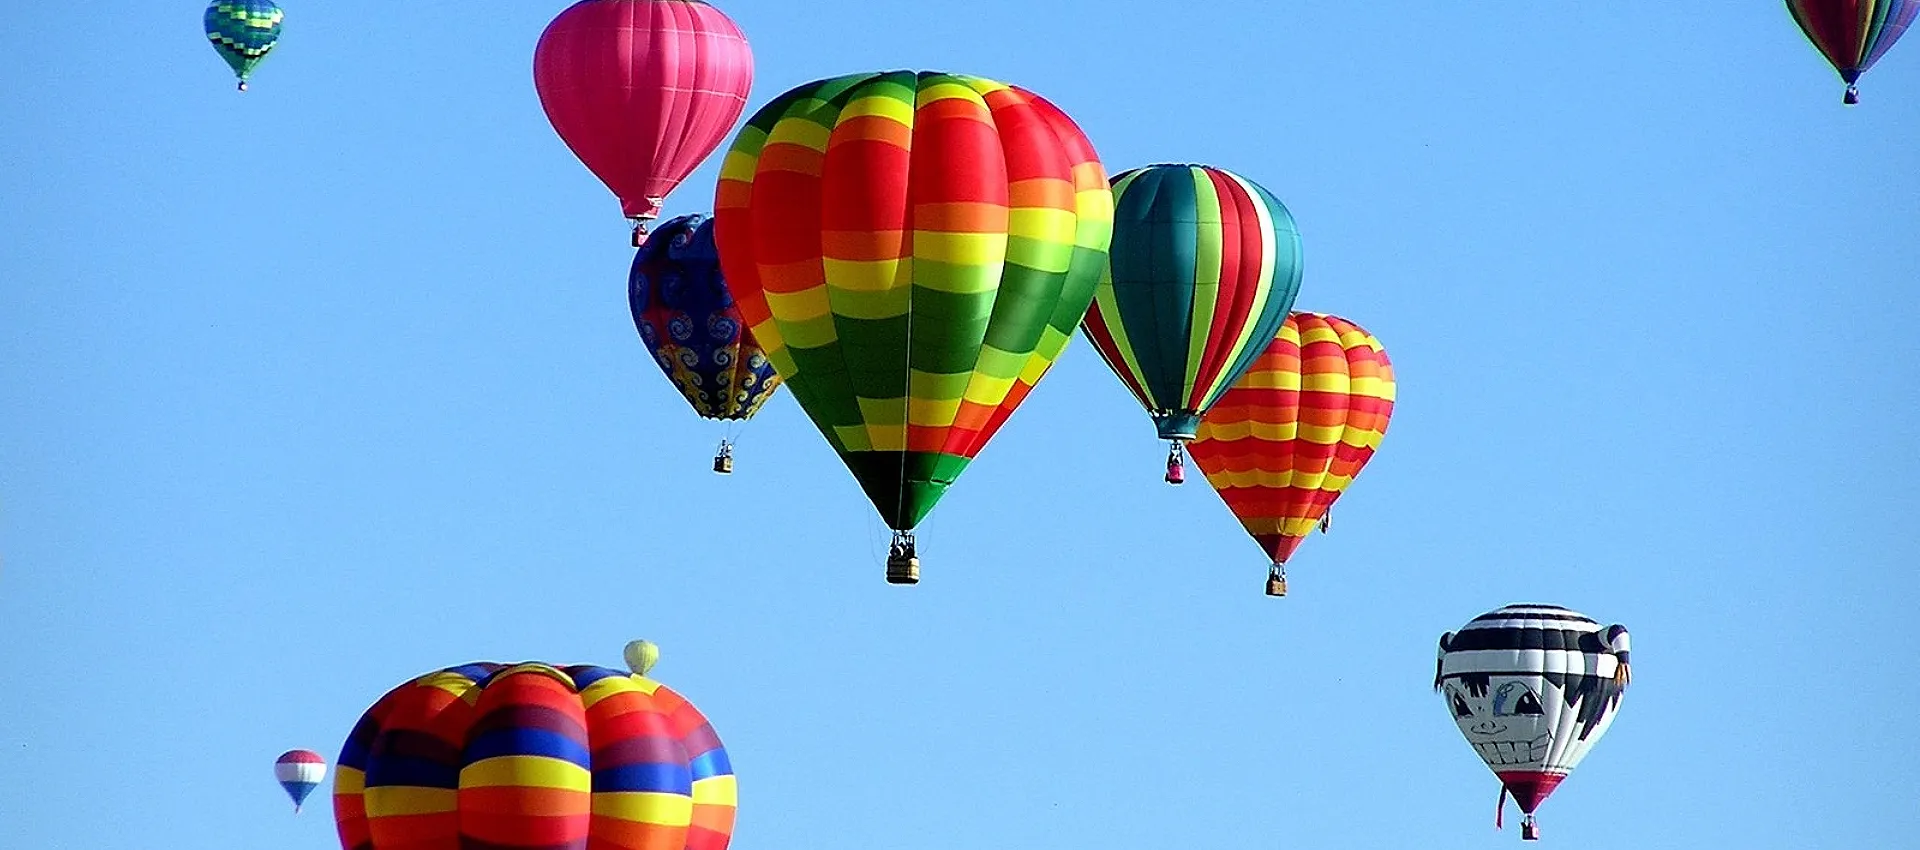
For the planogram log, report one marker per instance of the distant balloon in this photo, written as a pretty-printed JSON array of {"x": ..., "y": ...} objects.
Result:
[
  {"x": 642, "y": 91},
  {"x": 243, "y": 32},
  {"x": 641, "y": 656},
  {"x": 1291, "y": 436},
  {"x": 1204, "y": 266},
  {"x": 1853, "y": 34},
  {"x": 688, "y": 320},
  {"x": 533, "y": 756},
  {"x": 299, "y": 772},
  {"x": 1532, "y": 687}
]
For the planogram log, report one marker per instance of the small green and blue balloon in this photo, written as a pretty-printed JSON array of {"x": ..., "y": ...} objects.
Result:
[{"x": 243, "y": 32}]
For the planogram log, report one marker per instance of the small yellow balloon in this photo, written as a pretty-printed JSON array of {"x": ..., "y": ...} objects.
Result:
[{"x": 641, "y": 656}]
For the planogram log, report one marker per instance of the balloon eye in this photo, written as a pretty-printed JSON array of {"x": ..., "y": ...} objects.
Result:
[
  {"x": 1506, "y": 704},
  {"x": 1460, "y": 708},
  {"x": 1528, "y": 704}
]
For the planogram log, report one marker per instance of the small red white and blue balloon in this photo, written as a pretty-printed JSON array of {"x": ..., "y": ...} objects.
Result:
[{"x": 299, "y": 771}]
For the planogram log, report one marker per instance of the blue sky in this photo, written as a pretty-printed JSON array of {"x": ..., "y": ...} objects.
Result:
[{"x": 307, "y": 391}]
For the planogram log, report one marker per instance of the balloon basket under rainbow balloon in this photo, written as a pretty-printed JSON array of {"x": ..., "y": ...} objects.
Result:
[
  {"x": 1276, "y": 580},
  {"x": 1176, "y": 464},
  {"x": 903, "y": 562}
]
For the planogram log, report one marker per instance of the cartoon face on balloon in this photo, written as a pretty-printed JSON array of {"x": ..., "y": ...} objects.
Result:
[{"x": 1503, "y": 717}]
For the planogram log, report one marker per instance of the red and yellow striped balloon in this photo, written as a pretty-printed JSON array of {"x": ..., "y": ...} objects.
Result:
[
  {"x": 1290, "y": 436},
  {"x": 533, "y": 756}
]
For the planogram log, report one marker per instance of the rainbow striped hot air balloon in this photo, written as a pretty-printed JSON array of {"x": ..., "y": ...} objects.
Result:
[
  {"x": 913, "y": 250},
  {"x": 1205, "y": 265},
  {"x": 299, "y": 772},
  {"x": 533, "y": 756},
  {"x": 1853, "y": 34},
  {"x": 1289, "y": 438}
]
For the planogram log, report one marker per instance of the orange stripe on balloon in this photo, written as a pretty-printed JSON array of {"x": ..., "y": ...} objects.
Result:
[
  {"x": 787, "y": 158},
  {"x": 870, "y": 129}
]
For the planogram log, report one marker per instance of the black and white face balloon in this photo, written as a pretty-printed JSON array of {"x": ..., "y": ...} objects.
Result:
[{"x": 1532, "y": 687}]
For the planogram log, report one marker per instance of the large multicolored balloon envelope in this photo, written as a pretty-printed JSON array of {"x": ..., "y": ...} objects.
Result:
[
  {"x": 524, "y": 756},
  {"x": 299, "y": 772},
  {"x": 642, "y": 91},
  {"x": 1532, "y": 687},
  {"x": 1205, "y": 265},
  {"x": 689, "y": 321},
  {"x": 913, "y": 250},
  {"x": 243, "y": 32},
  {"x": 1289, "y": 438},
  {"x": 1853, "y": 34}
]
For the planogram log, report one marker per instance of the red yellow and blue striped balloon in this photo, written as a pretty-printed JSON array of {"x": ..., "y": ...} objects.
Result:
[
  {"x": 1204, "y": 266},
  {"x": 523, "y": 756},
  {"x": 1290, "y": 437},
  {"x": 913, "y": 250}
]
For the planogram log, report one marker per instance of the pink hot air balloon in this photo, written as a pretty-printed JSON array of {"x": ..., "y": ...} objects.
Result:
[{"x": 642, "y": 91}]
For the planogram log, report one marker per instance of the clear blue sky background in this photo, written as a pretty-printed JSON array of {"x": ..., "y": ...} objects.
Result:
[{"x": 307, "y": 391}]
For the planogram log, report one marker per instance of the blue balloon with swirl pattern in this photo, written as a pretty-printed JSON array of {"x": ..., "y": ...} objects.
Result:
[{"x": 687, "y": 318}]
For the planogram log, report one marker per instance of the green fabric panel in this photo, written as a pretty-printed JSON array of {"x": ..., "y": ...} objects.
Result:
[
  {"x": 872, "y": 352},
  {"x": 947, "y": 330},
  {"x": 904, "y": 486},
  {"x": 827, "y": 394},
  {"x": 1027, "y": 299},
  {"x": 1153, "y": 250},
  {"x": 1084, "y": 270}
]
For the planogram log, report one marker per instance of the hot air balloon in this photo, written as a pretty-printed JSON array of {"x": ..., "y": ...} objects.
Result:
[
  {"x": 913, "y": 250},
  {"x": 533, "y": 755},
  {"x": 1205, "y": 265},
  {"x": 1532, "y": 687},
  {"x": 688, "y": 319},
  {"x": 1289, "y": 438},
  {"x": 640, "y": 656},
  {"x": 299, "y": 772},
  {"x": 642, "y": 91},
  {"x": 1853, "y": 34},
  {"x": 243, "y": 32}
]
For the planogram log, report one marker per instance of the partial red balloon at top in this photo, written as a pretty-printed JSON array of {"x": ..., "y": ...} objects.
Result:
[{"x": 642, "y": 91}]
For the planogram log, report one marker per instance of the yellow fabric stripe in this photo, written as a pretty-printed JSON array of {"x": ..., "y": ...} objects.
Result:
[
  {"x": 717, "y": 791},
  {"x": 1208, "y": 250},
  {"x": 534, "y": 771},
  {"x": 644, "y": 807},
  {"x": 349, "y": 780},
  {"x": 394, "y": 800},
  {"x": 614, "y": 685}
]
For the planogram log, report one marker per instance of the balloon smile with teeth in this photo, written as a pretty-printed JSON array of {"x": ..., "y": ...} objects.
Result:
[{"x": 1514, "y": 752}]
